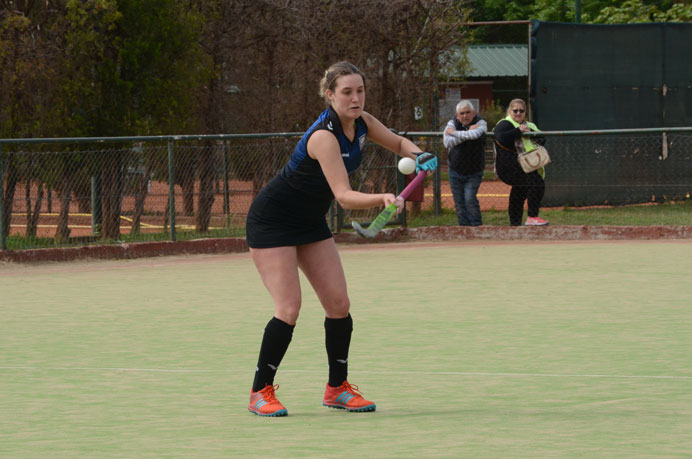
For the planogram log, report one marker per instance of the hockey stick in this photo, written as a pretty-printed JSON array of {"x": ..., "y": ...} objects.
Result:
[{"x": 384, "y": 216}]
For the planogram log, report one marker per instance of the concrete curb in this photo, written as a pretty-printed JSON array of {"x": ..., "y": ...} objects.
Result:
[
  {"x": 126, "y": 251},
  {"x": 507, "y": 233},
  {"x": 432, "y": 233}
]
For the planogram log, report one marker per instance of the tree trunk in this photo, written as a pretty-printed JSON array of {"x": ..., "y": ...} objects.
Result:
[
  {"x": 32, "y": 217},
  {"x": 111, "y": 197},
  {"x": 10, "y": 187},
  {"x": 206, "y": 188},
  {"x": 166, "y": 216},
  {"x": 82, "y": 194},
  {"x": 187, "y": 184},
  {"x": 63, "y": 231},
  {"x": 140, "y": 198},
  {"x": 27, "y": 203}
]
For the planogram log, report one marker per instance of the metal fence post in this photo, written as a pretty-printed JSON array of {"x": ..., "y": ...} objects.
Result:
[
  {"x": 3, "y": 241},
  {"x": 400, "y": 180},
  {"x": 437, "y": 191},
  {"x": 171, "y": 186}
]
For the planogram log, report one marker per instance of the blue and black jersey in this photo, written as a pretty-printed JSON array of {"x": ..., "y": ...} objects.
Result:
[
  {"x": 290, "y": 210},
  {"x": 305, "y": 174}
]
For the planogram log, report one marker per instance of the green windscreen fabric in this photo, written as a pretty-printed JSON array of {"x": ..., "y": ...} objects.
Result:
[
  {"x": 596, "y": 77},
  {"x": 617, "y": 169}
]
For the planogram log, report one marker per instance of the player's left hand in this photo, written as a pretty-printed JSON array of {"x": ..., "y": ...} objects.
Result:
[
  {"x": 426, "y": 162},
  {"x": 399, "y": 201}
]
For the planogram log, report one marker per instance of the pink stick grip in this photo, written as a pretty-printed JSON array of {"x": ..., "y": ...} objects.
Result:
[{"x": 413, "y": 185}]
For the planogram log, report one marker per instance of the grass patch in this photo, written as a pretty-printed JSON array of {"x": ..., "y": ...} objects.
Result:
[
  {"x": 15, "y": 242},
  {"x": 665, "y": 214}
]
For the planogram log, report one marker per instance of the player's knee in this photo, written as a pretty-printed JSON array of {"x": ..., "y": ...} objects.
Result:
[
  {"x": 338, "y": 306},
  {"x": 288, "y": 311}
]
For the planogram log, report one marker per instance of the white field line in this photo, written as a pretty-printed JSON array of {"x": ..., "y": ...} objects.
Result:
[{"x": 421, "y": 373}]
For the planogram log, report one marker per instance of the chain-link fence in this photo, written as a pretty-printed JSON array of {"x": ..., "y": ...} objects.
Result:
[
  {"x": 619, "y": 169},
  {"x": 61, "y": 192}
]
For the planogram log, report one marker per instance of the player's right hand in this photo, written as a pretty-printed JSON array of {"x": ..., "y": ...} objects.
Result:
[{"x": 426, "y": 162}]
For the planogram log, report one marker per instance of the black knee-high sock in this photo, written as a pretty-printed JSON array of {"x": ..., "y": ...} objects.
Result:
[
  {"x": 277, "y": 336},
  {"x": 337, "y": 333}
]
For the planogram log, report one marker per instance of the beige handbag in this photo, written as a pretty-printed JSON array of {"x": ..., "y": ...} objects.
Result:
[{"x": 534, "y": 159}]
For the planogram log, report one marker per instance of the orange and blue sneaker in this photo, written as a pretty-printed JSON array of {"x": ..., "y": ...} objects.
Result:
[
  {"x": 346, "y": 397},
  {"x": 264, "y": 402}
]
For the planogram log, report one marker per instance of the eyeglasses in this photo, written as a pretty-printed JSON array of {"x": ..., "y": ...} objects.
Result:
[{"x": 518, "y": 110}]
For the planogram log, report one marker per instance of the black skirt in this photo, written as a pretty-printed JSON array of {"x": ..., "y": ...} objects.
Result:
[{"x": 283, "y": 216}]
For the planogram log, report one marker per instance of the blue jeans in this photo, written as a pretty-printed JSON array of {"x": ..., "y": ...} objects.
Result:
[{"x": 465, "y": 191}]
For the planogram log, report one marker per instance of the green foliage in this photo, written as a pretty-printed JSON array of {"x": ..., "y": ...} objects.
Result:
[
  {"x": 498, "y": 10},
  {"x": 594, "y": 11},
  {"x": 628, "y": 11},
  {"x": 680, "y": 12},
  {"x": 153, "y": 60},
  {"x": 554, "y": 10},
  {"x": 87, "y": 25},
  {"x": 493, "y": 113},
  {"x": 515, "y": 10},
  {"x": 23, "y": 72},
  {"x": 128, "y": 67},
  {"x": 633, "y": 11}
]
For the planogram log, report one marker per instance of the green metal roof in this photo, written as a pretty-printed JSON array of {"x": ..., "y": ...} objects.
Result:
[{"x": 496, "y": 60}]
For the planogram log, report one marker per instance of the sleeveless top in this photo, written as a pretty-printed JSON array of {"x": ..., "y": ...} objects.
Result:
[
  {"x": 290, "y": 210},
  {"x": 305, "y": 174}
]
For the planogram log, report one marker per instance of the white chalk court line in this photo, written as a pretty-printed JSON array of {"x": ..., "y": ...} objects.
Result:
[{"x": 422, "y": 373}]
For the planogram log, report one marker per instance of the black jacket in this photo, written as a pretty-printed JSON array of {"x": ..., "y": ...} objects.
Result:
[{"x": 468, "y": 157}]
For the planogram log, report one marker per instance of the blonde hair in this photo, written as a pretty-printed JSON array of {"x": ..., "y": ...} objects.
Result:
[
  {"x": 328, "y": 81},
  {"x": 516, "y": 101}
]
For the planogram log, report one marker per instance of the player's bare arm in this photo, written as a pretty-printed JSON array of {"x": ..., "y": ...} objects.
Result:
[
  {"x": 378, "y": 133},
  {"x": 323, "y": 147}
]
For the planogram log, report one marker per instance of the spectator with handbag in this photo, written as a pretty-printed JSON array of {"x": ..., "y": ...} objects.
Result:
[{"x": 526, "y": 187}]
